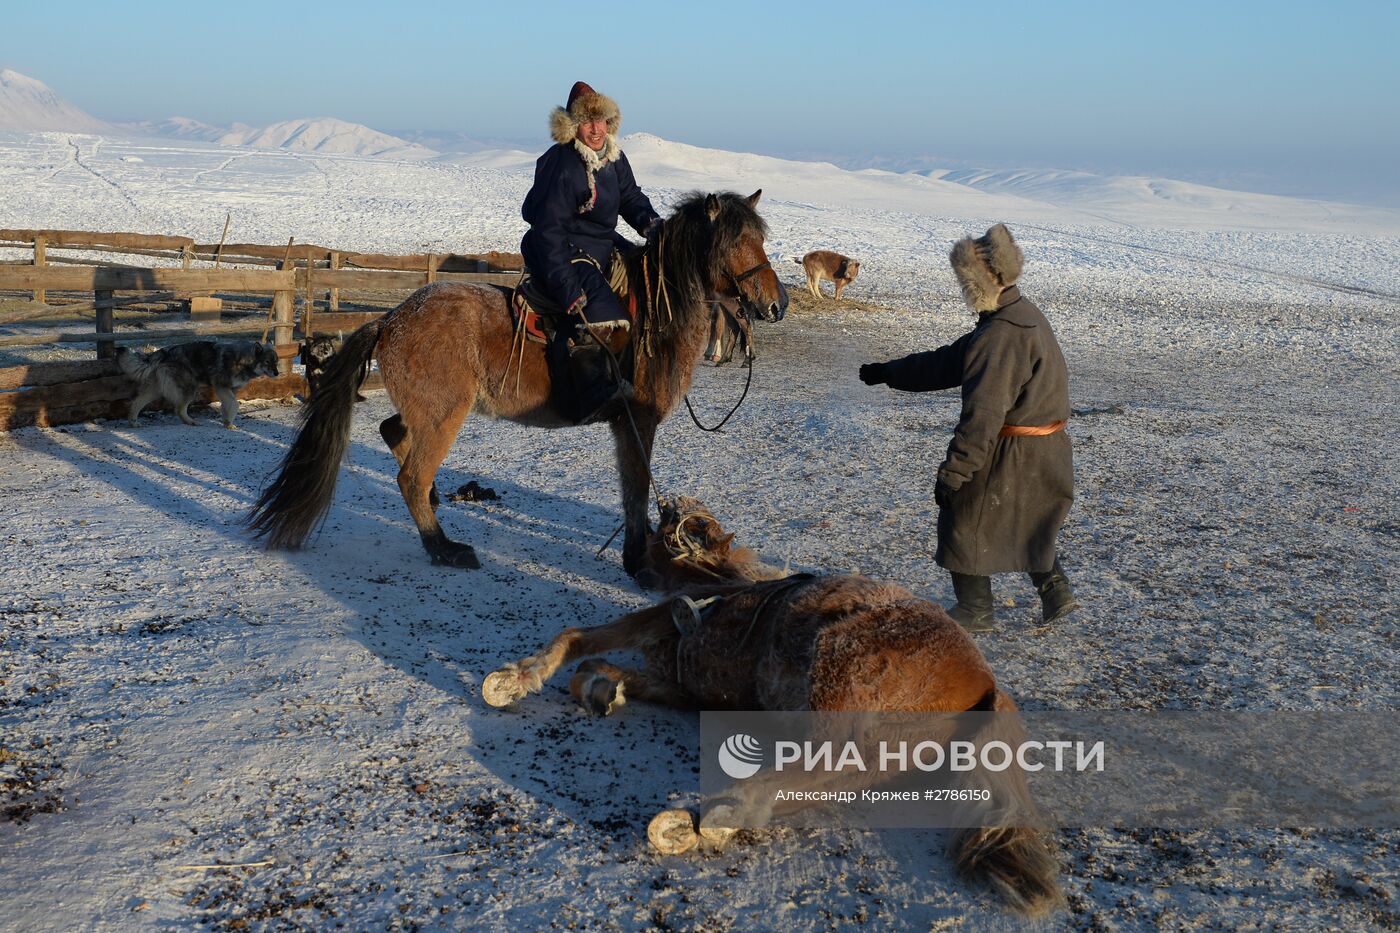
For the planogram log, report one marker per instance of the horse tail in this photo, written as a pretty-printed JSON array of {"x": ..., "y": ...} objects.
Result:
[
  {"x": 1015, "y": 860},
  {"x": 298, "y": 499}
]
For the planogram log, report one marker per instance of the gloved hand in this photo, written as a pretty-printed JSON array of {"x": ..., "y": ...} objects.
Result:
[
  {"x": 943, "y": 493},
  {"x": 873, "y": 374}
]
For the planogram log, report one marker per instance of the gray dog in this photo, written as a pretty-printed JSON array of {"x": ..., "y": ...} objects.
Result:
[{"x": 178, "y": 373}]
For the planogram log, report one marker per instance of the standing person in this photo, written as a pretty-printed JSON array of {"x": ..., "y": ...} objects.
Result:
[
  {"x": 1006, "y": 483},
  {"x": 583, "y": 184}
]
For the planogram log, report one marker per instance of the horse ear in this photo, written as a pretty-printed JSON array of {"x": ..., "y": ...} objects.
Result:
[
  {"x": 712, "y": 206},
  {"x": 753, "y": 198}
]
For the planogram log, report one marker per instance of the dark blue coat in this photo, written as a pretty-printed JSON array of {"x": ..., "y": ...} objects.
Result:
[{"x": 568, "y": 216}]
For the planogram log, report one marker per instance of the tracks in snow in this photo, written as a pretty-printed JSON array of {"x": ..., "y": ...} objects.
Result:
[{"x": 75, "y": 156}]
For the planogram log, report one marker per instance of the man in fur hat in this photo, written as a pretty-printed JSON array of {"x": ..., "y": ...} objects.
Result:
[
  {"x": 582, "y": 185},
  {"x": 1006, "y": 484}
]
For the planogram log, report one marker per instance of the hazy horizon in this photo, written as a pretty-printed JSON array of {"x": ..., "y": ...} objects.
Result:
[{"x": 1276, "y": 98}]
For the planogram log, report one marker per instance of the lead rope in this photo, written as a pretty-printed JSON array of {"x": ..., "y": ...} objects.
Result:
[
  {"x": 748, "y": 352},
  {"x": 748, "y": 381}
]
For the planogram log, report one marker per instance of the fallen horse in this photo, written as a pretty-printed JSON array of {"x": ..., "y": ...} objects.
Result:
[{"x": 832, "y": 643}]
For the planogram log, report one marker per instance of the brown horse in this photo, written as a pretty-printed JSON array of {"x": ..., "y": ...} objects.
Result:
[
  {"x": 450, "y": 350},
  {"x": 823, "y": 643}
]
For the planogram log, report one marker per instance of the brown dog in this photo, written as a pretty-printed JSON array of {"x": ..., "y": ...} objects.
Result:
[{"x": 824, "y": 264}]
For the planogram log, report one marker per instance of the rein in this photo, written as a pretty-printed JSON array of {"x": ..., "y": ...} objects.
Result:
[
  {"x": 748, "y": 381},
  {"x": 748, "y": 349}
]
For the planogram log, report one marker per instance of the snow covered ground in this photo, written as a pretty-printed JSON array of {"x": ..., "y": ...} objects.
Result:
[{"x": 172, "y": 696}]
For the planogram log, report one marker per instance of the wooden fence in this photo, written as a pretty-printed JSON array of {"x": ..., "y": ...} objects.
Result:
[{"x": 51, "y": 393}]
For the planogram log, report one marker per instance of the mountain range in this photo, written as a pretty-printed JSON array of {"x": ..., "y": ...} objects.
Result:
[{"x": 28, "y": 105}]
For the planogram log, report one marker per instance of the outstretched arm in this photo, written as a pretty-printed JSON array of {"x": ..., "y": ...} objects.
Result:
[{"x": 921, "y": 372}]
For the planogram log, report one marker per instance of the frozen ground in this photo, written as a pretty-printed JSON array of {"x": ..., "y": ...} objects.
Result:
[{"x": 171, "y": 696}]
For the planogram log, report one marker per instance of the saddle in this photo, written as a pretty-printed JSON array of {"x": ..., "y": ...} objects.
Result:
[{"x": 537, "y": 316}]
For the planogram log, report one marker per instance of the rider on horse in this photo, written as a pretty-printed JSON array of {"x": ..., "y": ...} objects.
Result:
[{"x": 582, "y": 185}]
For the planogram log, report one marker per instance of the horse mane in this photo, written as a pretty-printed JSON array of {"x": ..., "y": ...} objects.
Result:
[
  {"x": 675, "y": 268},
  {"x": 690, "y": 547}
]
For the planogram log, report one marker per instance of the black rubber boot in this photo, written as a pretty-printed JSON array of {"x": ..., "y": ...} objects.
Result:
[
  {"x": 974, "y": 609},
  {"x": 1056, "y": 598},
  {"x": 599, "y": 392}
]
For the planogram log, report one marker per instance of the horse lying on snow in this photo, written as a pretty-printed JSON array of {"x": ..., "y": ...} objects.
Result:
[{"x": 838, "y": 643}]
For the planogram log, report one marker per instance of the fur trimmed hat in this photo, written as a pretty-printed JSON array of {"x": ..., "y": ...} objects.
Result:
[
  {"x": 985, "y": 266},
  {"x": 584, "y": 106}
]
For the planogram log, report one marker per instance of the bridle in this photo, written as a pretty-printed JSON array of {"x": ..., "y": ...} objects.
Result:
[{"x": 744, "y": 301}]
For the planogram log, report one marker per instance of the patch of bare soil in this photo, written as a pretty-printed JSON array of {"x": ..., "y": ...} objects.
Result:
[{"x": 800, "y": 301}]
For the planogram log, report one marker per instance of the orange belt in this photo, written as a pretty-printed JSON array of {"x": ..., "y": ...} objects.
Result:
[{"x": 1032, "y": 430}]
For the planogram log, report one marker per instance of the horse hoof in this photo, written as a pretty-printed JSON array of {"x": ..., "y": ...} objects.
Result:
[
  {"x": 672, "y": 832},
  {"x": 597, "y": 693},
  {"x": 457, "y": 555},
  {"x": 504, "y": 687},
  {"x": 719, "y": 824}
]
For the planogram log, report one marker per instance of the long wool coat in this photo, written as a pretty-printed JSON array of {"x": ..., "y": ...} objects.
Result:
[
  {"x": 573, "y": 208},
  {"x": 1011, "y": 493}
]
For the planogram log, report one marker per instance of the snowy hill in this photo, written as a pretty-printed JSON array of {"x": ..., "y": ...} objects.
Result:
[
  {"x": 1165, "y": 201},
  {"x": 1035, "y": 197},
  {"x": 29, "y": 104},
  {"x": 326, "y": 136}
]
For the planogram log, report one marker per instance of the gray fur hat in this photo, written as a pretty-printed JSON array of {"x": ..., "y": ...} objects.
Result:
[{"x": 986, "y": 265}]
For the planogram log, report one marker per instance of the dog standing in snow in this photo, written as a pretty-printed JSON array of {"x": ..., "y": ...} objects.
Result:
[
  {"x": 824, "y": 264},
  {"x": 178, "y": 373}
]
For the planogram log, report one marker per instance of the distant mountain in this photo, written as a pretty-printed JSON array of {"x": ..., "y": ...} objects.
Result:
[
  {"x": 185, "y": 128},
  {"x": 326, "y": 136},
  {"x": 1126, "y": 196},
  {"x": 1039, "y": 196},
  {"x": 27, "y": 104}
]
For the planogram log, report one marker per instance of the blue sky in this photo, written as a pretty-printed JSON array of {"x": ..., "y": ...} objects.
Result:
[{"x": 1291, "y": 97}]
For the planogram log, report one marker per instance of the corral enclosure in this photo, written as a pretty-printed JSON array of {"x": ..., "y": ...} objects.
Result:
[
  {"x": 189, "y": 296},
  {"x": 173, "y": 698}
]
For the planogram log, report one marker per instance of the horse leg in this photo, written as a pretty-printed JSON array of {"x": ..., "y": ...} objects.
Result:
[
  {"x": 633, "y": 631},
  {"x": 394, "y": 434},
  {"x": 635, "y": 472},
  {"x": 751, "y": 802},
  {"x": 601, "y": 688},
  {"x": 424, "y": 447}
]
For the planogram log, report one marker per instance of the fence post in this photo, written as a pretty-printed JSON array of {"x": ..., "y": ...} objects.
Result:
[
  {"x": 106, "y": 350},
  {"x": 433, "y": 261},
  {"x": 283, "y": 315},
  {"x": 310, "y": 307},
  {"x": 333, "y": 296},
  {"x": 39, "y": 244}
]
